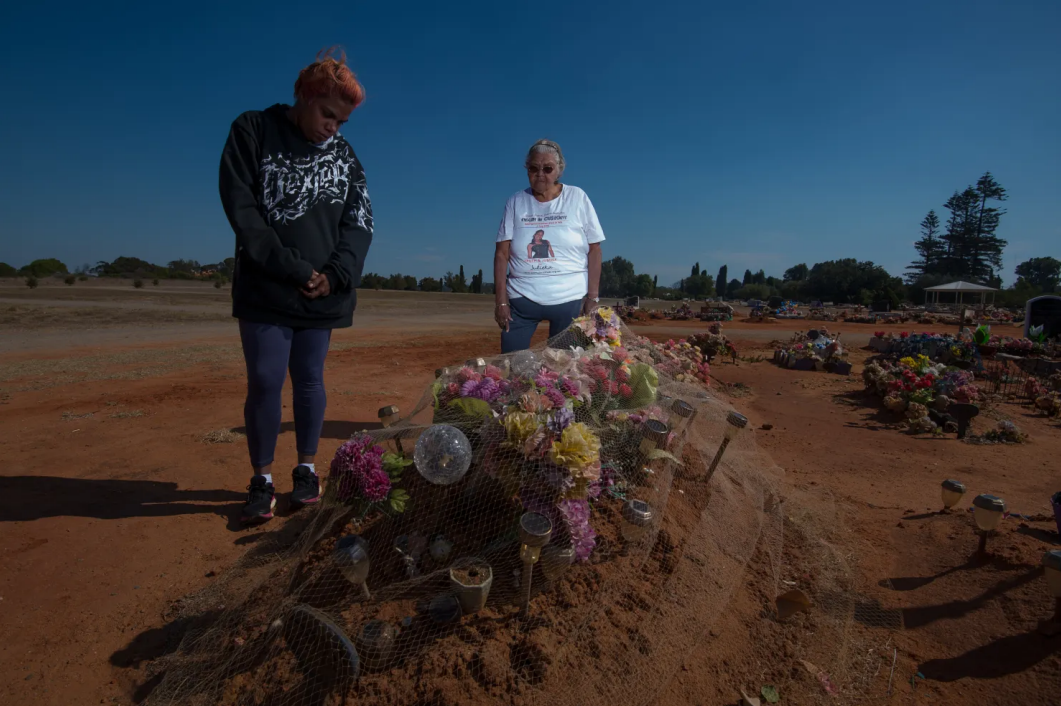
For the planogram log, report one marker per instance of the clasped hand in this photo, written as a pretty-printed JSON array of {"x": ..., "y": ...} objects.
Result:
[{"x": 318, "y": 286}]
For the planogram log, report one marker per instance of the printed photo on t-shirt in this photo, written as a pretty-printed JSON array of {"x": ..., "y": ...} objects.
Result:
[{"x": 539, "y": 248}]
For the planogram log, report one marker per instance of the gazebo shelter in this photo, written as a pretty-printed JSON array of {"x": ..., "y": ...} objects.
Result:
[{"x": 959, "y": 291}]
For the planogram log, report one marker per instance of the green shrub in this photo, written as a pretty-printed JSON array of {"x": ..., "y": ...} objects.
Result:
[
  {"x": 32, "y": 282},
  {"x": 217, "y": 284},
  {"x": 70, "y": 279},
  {"x": 138, "y": 283},
  {"x": 82, "y": 278},
  {"x": 155, "y": 281}
]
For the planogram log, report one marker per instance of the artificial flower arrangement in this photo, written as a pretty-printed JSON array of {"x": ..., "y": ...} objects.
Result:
[
  {"x": 1005, "y": 433},
  {"x": 821, "y": 352},
  {"x": 916, "y": 384},
  {"x": 366, "y": 476},
  {"x": 561, "y": 429},
  {"x": 713, "y": 343},
  {"x": 941, "y": 347},
  {"x": 1023, "y": 347}
]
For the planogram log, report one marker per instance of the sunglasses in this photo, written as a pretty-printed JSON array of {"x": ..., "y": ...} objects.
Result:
[{"x": 535, "y": 169}]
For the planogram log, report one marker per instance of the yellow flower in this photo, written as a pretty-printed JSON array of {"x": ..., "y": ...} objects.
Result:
[
  {"x": 907, "y": 362},
  {"x": 577, "y": 450},
  {"x": 519, "y": 426}
]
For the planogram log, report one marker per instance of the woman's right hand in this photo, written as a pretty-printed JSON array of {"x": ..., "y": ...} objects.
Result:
[{"x": 503, "y": 315}]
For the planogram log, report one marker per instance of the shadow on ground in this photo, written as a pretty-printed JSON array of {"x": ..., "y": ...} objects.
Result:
[{"x": 27, "y": 498}]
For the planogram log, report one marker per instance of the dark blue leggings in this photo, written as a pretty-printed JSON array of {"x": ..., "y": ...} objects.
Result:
[
  {"x": 271, "y": 351},
  {"x": 526, "y": 315}
]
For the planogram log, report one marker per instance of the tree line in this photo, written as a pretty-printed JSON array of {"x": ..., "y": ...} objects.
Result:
[
  {"x": 448, "y": 282},
  {"x": 126, "y": 267}
]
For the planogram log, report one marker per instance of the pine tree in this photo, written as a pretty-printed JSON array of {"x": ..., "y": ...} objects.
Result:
[
  {"x": 655, "y": 284},
  {"x": 931, "y": 248},
  {"x": 747, "y": 277},
  {"x": 720, "y": 281},
  {"x": 986, "y": 255}
]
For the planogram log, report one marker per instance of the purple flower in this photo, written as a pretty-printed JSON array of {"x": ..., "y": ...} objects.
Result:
[
  {"x": 569, "y": 386},
  {"x": 575, "y": 514},
  {"x": 560, "y": 419},
  {"x": 486, "y": 389},
  {"x": 358, "y": 470},
  {"x": 555, "y": 396}
]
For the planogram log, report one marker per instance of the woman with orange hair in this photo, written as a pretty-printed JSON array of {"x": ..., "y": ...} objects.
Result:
[{"x": 295, "y": 196}]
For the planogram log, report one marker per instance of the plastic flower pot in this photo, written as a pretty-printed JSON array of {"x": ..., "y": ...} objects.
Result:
[
  {"x": 842, "y": 368},
  {"x": 819, "y": 365},
  {"x": 804, "y": 364},
  {"x": 471, "y": 582}
]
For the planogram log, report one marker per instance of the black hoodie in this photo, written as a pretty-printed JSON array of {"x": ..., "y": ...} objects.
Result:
[{"x": 295, "y": 207}]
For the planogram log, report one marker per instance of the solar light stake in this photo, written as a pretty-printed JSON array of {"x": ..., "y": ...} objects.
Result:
[
  {"x": 637, "y": 517},
  {"x": 952, "y": 492},
  {"x": 653, "y": 436},
  {"x": 388, "y": 415},
  {"x": 987, "y": 513},
  {"x": 734, "y": 423},
  {"x": 351, "y": 556},
  {"x": 685, "y": 413},
  {"x": 534, "y": 532}
]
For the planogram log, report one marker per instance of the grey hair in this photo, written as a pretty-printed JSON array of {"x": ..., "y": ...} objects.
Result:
[{"x": 547, "y": 147}]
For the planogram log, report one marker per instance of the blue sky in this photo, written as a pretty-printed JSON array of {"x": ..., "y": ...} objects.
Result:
[{"x": 760, "y": 134}]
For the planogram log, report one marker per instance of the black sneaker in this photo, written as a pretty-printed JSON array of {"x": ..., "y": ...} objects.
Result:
[
  {"x": 306, "y": 487},
  {"x": 260, "y": 501}
]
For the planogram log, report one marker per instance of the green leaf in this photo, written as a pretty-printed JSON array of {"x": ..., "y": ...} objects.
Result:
[
  {"x": 394, "y": 464},
  {"x": 660, "y": 453},
  {"x": 436, "y": 389},
  {"x": 770, "y": 694},
  {"x": 472, "y": 407},
  {"x": 398, "y": 499},
  {"x": 644, "y": 381}
]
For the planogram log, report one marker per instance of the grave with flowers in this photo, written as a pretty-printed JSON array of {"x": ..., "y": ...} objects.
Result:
[
  {"x": 524, "y": 496},
  {"x": 815, "y": 349}
]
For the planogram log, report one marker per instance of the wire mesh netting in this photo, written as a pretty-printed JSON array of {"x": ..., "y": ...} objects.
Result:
[{"x": 560, "y": 525}]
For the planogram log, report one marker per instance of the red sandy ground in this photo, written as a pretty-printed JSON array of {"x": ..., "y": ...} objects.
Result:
[{"x": 106, "y": 521}]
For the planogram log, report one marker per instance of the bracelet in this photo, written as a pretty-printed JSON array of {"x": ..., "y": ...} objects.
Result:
[{"x": 503, "y": 304}]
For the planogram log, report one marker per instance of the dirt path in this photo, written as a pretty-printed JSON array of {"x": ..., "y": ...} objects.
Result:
[{"x": 112, "y": 507}]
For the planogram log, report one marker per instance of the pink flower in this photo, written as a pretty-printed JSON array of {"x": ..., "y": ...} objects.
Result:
[
  {"x": 453, "y": 388},
  {"x": 625, "y": 391},
  {"x": 575, "y": 514},
  {"x": 569, "y": 387},
  {"x": 466, "y": 374},
  {"x": 492, "y": 371},
  {"x": 621, "y": 375},
  {"x": 357, "y": 468},
  {"x": 554, "y": 396}
]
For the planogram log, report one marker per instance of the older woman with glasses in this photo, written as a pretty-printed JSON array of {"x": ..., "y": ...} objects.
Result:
[{"x": 552, "y": 273}]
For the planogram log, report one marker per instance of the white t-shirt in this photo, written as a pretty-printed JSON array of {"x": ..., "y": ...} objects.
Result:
[{"x": 549, "y": 257}]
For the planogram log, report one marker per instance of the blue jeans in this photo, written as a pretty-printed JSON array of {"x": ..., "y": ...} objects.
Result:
[
  {"x": 271, "y": 352},
  {"x": 526, "y": 315}
]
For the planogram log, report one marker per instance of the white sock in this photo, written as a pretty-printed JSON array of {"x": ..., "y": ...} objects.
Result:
[
  {"x": 311, "y": 466},
  {"x": 268, "y": 477}
]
